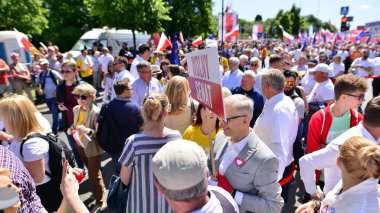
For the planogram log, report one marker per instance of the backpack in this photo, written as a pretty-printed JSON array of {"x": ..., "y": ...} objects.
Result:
[
  {"x": 43, "y": 78},
  {"x": 58, "y": 152},
  {"x": 107, "y": 135}
]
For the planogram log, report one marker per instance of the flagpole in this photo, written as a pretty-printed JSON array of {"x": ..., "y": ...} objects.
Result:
[{"x": 222, "y": 26}]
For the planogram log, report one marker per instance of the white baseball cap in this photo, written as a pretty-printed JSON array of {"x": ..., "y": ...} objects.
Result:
[{"x": 322, "y": 67}]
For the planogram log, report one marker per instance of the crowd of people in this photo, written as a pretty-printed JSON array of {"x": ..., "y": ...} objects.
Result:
[{"x": 287, "y": 109}]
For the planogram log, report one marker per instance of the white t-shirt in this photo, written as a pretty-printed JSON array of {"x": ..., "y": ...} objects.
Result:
[
  {"x": 134, "y": 64},
  {"x": 364, "y": 63},
  {"x": 213, "y": 204},
  {"x": 33, "y": 149},
  {"x": 335, "y": 69},
  {"x": 123, "y": 75},
  {"x": 104, "y": 60},
  {"x": 322, "y": 92},
  {"x": 307, "y": 82}
]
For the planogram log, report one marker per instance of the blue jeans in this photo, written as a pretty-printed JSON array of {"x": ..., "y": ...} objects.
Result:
[
  {"x": 115, "y": 160},
  {"x": 52, "y": 104},
  {"x": 73, "y": 146}
]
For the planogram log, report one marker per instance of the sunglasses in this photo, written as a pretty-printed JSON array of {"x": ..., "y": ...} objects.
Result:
[
  {"x": 82, "y": 97},
  {"x": 254, "y": 65},
  {"x": 290, "y": 83},
  {"x": 65, "y": 71}
]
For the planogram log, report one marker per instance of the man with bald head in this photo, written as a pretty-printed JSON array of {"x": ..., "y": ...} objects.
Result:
[{"x": 247, "y": 88}]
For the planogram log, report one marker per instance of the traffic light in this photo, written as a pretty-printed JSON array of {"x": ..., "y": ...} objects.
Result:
[{"x": 344, "y": 25}]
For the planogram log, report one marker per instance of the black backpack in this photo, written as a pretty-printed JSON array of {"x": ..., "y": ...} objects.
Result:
[
  {"x": 43, "y": 78},
  {"x": 107, "y": 135},
  {"x": 58, "y": 151}
]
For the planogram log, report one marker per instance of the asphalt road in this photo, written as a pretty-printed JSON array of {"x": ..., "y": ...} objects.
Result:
[{"x": 85, "y": 188}]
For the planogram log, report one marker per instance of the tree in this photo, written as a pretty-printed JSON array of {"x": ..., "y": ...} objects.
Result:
[
  {"x": 143, "y": 16},
  {"x": 193, "y": 18},
  {"x": 295, "y": 18},
  {"x": 27, "y": 16},
  {"x": 258, "y": 18},
  {"x": 66, "y": 22}
]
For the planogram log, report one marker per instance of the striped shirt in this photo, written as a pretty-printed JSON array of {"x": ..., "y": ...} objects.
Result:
[{"x": 138, "y": 152}]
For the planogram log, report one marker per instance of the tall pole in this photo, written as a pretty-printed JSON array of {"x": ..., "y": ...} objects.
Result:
[{"x": 222, "y": 26}]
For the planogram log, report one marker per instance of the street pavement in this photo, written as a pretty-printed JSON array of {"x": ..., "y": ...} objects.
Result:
[{"x": 297, "y": 189}]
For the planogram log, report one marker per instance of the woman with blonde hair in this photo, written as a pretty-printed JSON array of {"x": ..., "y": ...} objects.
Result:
[
  {"x": 183, "y": 112},
  {"x": 85, "y": 114},
  {"x": 358, "y": 191},
  {"x": 18, "y": 115},
  {"x": 137, "y": 156}
]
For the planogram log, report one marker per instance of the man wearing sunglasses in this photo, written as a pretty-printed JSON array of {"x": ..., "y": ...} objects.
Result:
[
  {"x": 328, "y": 123},
  {"x": 46, "y": 84}
]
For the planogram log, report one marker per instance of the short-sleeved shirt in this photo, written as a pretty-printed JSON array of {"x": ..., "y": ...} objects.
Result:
[
  {"x": 104, "y": 60},
  {"x": 194, "y": 133},
  {"x": 138, "y": 153},
  {"x": 3, "y": 75},
  {"x": 30, "y": 202},
  {"x": 49, "y": 87},
  {"x": 33, "y": 149},
  {"x": 322, "y": 92},
  {"x": 364, "y": 63},
  {"x": 335, "y": 69}
]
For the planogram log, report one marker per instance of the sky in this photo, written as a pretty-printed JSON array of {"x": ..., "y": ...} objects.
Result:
[{"x": 363, "y": 11}]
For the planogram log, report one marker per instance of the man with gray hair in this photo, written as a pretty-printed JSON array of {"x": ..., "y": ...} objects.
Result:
[
  {"x": 181, "y": 175},
  {"x": 232, "y": 78},
  {"x": 245, "y": 166},
  {"x": 246, "y": 88},
  {"x": 277, "y": 125},
  {"x": 144, "y": 84},
  {"x": 243, "y": 59}
]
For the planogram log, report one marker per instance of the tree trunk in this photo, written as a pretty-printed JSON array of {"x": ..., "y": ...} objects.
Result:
[{"x": 134, "y": 39}]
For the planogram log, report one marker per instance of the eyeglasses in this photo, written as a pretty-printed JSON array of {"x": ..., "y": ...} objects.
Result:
[
  {"x": 65, "y": 71},
  {"x": 290, "y": 83},
  {"x": 254, "y": 65},
  {"x": 117, "y": 63},
  {"x": 232, "y": 118},
  {"x": 82, "y": 97},
  {"x": 129, "y": 88},
  {"x": 359, "y": 97}
]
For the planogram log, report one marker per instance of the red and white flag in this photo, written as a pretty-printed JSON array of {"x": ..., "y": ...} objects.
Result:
[
  {"x": 286, "y": 36},
  {"x": 197, "y": 41},
  {"x": 180, "y": 37},
  {"x": 26, "y": 44},
  {"x": 164, "y": 42},
  {"x": 234, "y": 33}
]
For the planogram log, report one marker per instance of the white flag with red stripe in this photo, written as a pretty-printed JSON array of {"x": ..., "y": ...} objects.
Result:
[
  {"x": 164, "y": 42},
  {"x": 197, "y": 41},
  {"x": 180, "y": 38},
  {"x": 234, "y": 33},
  {"x": 285, "y": 35}
]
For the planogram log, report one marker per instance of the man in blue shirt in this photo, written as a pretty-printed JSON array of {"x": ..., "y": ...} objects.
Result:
[
  {"x": 48, "y": 79},
  {"x": 144, "y": 84},
  {"x": 246, "y": 88}
]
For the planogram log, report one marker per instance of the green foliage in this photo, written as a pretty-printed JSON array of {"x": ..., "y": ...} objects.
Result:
[
  {"x": 68, "y": 20},
  {"x": 27, "y": 16},
  {"x": 136, "y": 15},
  {"x": 193, "y": 18}
]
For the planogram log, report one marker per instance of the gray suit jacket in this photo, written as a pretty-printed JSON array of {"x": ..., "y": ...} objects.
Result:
[{"x": 256, "y": 178}]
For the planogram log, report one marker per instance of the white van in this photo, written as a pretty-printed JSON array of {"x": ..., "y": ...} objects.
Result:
[
  {"x": 108, "y": 37},
  {"x": 9, "y": 42}
]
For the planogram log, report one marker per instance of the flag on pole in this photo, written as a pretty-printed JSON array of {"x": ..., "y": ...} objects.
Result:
[
  {"x": 164, "y": 42},
  {"x": 197, "y": 41},
  {"x": 180, "y": 38},
  {"x": 234, "y": 33},
  {"x": 43, "y": 46},
  {"x": 286, "y": 36},
  {"x": 27, "y": 45},
  {"x": 174, "y": 58}
]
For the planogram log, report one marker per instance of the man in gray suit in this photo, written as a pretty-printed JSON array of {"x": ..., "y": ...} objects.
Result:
[{"x": 245, "y": 165}]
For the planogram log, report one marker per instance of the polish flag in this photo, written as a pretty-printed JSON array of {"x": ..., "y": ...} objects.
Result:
[
  {"x": 180, "y": 38},
  {"x": 233, "y": 34},
  {"x": 164, "y": 42},
  {"x": 26, "y": 44},
  {"x": 286, "y": 36},
  {"x": 197, "y": 41}
]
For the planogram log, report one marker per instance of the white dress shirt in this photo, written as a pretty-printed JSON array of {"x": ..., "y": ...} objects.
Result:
[
  {"x": 277, "y": 127},
  {"x": 134, "y": 64},
  {"x": 232, "y": 79},
  {"x": 326, "y": 159},
  {"x": 123, "y": 75},
  {"x": 257, "y": 86}
]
